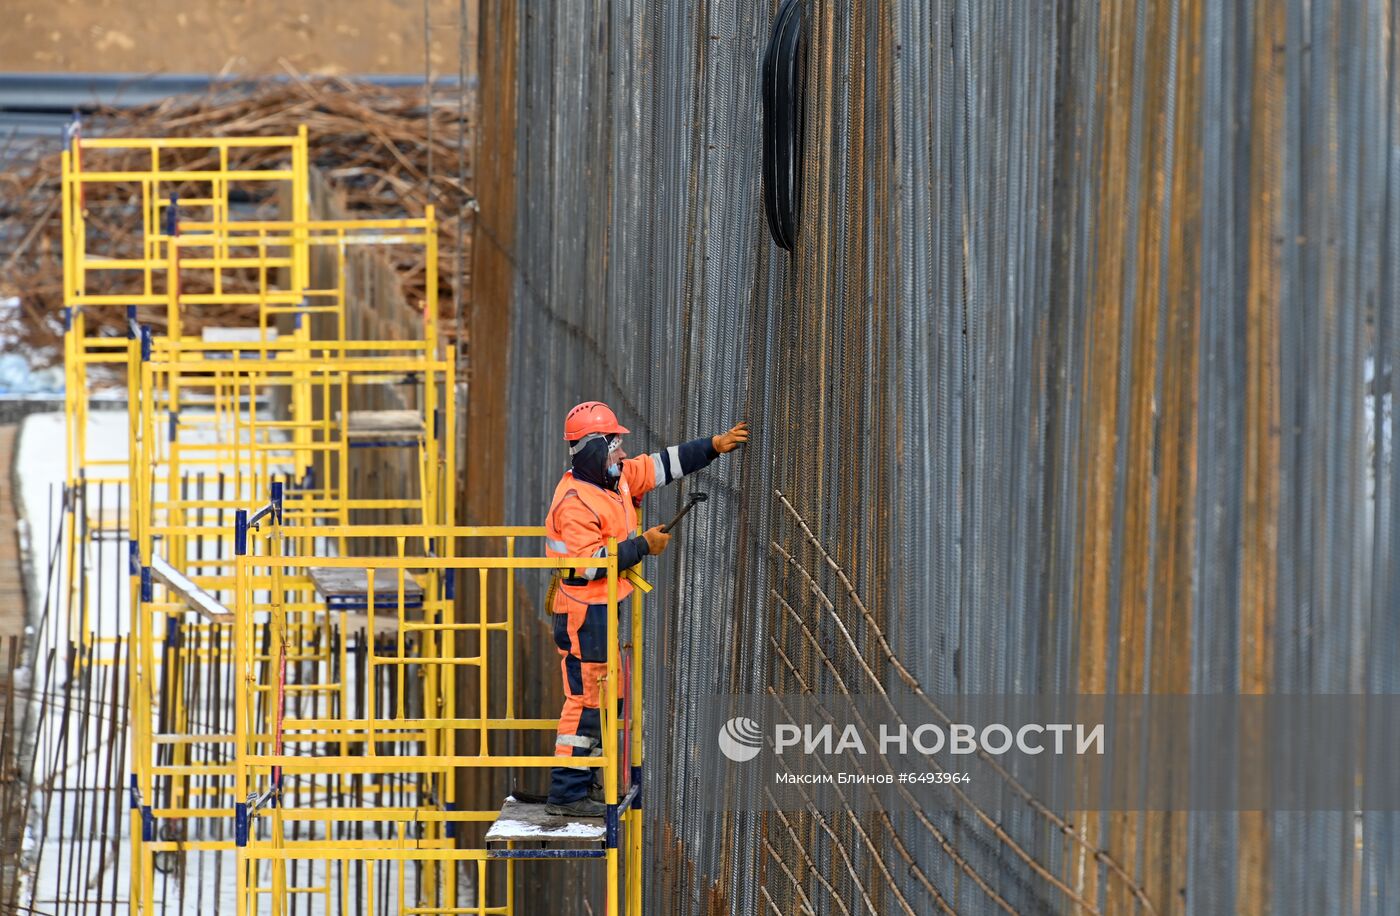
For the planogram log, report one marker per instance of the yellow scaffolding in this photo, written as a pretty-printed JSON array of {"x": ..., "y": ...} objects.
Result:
[
  {"x": 270, "y": 586},
  {"x": 272, "y": 748},
  {"x": 153, "y": 172}
]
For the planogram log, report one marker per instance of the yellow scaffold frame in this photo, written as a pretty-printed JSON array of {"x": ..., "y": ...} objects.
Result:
[
  {"x": 140, "y": 164},
  {"x": 82, "y": 268},
  {"x": 221, "y": 588},
  {"x": 263, "y": 578},
  {"x": 164, "y": 520}
]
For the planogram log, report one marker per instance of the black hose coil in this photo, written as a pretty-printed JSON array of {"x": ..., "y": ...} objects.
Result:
[{"x": 784, "y": 66}]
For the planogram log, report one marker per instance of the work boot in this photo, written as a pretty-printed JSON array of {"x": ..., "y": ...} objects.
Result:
[{"x": 584, "y": 807}]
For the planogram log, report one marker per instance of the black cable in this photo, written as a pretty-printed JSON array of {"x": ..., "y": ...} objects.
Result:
[{"x": 784, "y": 64}]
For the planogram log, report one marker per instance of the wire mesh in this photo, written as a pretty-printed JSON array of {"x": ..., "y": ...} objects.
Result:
[{"x": 1077, "y": 381}]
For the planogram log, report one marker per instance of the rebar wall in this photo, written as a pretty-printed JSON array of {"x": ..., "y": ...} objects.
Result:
[{"x": 1072, "y": 384}]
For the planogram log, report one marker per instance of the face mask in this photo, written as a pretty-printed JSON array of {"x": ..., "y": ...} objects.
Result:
[{"x": 614, "y": 469}]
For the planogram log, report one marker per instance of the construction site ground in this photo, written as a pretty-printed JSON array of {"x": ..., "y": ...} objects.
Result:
[{"x": 243, "y": 37}]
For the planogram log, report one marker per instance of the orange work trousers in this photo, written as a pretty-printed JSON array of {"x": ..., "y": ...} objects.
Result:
[{"x": 581, "y": 633}]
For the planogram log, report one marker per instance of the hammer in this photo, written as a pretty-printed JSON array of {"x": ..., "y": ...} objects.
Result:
[{"x": 690, "y": 504}]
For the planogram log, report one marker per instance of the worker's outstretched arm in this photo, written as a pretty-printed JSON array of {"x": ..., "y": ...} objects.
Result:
[{"x": 646, "y": 472}]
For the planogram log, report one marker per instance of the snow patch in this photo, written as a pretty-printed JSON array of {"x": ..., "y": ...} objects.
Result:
[{"x": 567, "y": 831}]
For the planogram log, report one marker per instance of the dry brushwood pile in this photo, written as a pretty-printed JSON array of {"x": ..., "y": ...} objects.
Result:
[{"x": 371, "y": 143}]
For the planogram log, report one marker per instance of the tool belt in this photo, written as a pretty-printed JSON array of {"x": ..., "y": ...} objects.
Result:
[{"x": 559, "y": 579}]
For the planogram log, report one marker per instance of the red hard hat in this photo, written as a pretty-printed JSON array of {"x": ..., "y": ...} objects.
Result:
[{"x": 591, "y": 417}]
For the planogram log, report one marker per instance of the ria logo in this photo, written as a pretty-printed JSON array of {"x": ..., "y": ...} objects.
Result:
[{"x": 740, "y": 739}]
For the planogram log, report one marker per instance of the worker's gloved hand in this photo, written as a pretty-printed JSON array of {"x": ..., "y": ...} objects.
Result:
[
  {"x": 656, "y": 540},
  {"x": 728, "y": 442}
]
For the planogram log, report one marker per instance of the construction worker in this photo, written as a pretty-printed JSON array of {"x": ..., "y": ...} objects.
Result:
[{"x": 597, "y": 499}]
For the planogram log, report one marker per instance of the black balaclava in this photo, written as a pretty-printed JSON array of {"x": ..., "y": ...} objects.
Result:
[{"x": 591, "y": 464}]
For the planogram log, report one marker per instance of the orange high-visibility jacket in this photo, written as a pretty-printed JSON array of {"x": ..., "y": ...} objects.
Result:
[{"x": 582, "y": 516}]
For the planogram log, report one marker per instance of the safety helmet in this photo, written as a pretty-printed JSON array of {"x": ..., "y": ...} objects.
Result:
[{"x": 591, "y": 417}]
